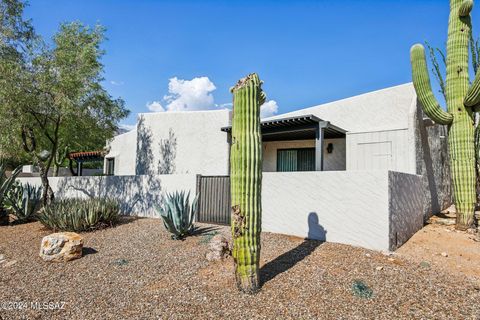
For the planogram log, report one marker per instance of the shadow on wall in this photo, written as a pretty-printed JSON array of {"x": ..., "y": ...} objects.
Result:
[
  {"x": 137, "y": 195},
  {"x": 144, "y": 157},
  {"x": 168, "y": 153},
  {"x": 290, "y": 258},
  {"x": 433, "y": 164}
]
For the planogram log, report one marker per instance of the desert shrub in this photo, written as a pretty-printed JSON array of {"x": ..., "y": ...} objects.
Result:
[
  {"x": 177, "y": 214},
  {"x": 6, "y": 184},
  {"x": 23, "y": 201},
  {"x": 80, "y": 214}
]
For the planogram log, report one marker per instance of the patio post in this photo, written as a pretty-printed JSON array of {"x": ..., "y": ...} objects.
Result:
[{"x": 319, "y": 135}]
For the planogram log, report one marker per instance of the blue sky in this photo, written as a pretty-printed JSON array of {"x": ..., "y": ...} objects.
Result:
[{"x": 307, "y": 52}]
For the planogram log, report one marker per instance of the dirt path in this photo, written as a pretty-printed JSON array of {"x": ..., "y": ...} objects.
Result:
[{"x": 445, "y": 248}]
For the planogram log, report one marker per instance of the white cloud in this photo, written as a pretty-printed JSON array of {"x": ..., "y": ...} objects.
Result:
[
  {"x": 155, "y": 106},
  {"x": 186, "y": 95},
  {"x": 117, "y": 83},
  {"x": 268, "y": 109}
]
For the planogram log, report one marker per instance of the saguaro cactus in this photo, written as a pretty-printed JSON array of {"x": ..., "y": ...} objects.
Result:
[
  {"x": 246, "y": 181},
  {"x": 462, "y": 99}
]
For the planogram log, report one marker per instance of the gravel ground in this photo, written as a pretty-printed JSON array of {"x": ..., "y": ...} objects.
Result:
[{"x": 135, "y": 271}]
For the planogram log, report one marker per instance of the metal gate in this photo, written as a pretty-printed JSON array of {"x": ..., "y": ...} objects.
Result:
[{"x": 213, "y": 199}]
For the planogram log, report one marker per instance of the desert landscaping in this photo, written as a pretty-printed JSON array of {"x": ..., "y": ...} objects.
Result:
[{"x": 136, "y": 271}]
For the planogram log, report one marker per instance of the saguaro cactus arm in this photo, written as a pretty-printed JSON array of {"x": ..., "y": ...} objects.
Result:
[
  {"x": 473, "y": 94},
  {"x": 421, "y": 82},
  {"x": 465, "y": 8}
]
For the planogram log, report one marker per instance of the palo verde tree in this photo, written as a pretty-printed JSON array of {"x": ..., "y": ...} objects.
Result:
[
  {"x": 52, "y": 96},
  {"x": 463, "y": 100},
  {"x": 246, "y": 181}
]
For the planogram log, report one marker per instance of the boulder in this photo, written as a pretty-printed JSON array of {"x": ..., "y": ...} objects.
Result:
[
  {"x": 61, "y": 247},
  {"x": 218, "y": 248}
]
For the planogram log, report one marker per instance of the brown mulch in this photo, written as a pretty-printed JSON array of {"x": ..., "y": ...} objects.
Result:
[{"x": 135, "y": 271}]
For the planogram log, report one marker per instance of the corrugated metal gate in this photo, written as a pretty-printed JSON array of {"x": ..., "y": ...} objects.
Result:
[{"x": 213, "y": 199}]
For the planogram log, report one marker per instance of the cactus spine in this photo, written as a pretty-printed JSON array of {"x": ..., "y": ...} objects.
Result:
[
  {"x": 246, "y": 181},
  {"x": 462, "y": 101}
]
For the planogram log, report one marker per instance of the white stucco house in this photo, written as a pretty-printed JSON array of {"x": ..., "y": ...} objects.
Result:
[
  {"x": 365, "y": 171},
  {"x": 380, "y": 130}
]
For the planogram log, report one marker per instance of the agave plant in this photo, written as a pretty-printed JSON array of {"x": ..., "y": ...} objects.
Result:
[
  {"x": 6, "y": 184},
  {"x": 23, "y": 201},
  {"x": 177, "y": 214},
  {"x": 79, "y": 214}
]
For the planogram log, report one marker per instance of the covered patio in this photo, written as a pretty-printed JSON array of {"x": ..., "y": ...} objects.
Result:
[
  {"x": 82, "y": 157},
  {"x": 307, "y": 128}
]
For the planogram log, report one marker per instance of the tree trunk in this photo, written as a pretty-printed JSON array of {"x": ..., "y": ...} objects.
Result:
[
  {"x": 47, "y": 195},
  {"x": 55, "y": 170}
]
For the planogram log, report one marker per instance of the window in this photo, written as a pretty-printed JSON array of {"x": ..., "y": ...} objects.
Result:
[
  {"x": 296, "y": 159},
  {"x": 110, "y": 166}
]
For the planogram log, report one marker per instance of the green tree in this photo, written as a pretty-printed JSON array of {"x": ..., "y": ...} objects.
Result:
[{"x": 52, "y": 98}]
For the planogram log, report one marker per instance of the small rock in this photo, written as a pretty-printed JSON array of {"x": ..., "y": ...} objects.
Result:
[
  {"x": 388, "y": 253},
  {"x": 450, "y": 210},
  {"x": 2, "y": 258},
  {"x": 379, "y": 268},
  {"x": 391, "y": 259},
  {"x": 120, "y": 262},
  {"x": 471, "y": 230},
  {"x": 444, "y": 254},
  {"x": 368, "y": 255},
  {"x": 218, "y": 248},
  {"x": 61, "y": 247},
  {"x": 424, "y": 264},
  {"x": 9, "y": 263}
]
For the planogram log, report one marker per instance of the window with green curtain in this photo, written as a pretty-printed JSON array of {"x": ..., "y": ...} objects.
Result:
[{"x": 302, "y": 159}]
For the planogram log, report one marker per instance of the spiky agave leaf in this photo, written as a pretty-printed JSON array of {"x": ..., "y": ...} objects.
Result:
[{"x": 177, "y": 214}]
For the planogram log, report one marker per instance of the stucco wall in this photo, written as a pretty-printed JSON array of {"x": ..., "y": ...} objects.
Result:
[
  {"x": 363, "y": 208},
  {"x": 123, "y": 149},
  {"x": 432, "y": 162},
  {"x": 138, "y": 195},
  {"x": 182, "y": 143},
  {"x": 384, "y": 109},
  {"x": 406, "y": 202},
  {"x": 380, "y": 150},
  {"x": 332, "y": 161}
]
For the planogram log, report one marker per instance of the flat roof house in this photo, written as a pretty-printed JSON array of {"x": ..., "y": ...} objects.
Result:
[
  {"x": 380, "y": 130},
  {"x": 369, "y": 169}
]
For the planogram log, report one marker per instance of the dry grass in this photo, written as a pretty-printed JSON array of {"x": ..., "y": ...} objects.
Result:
[{"x": 136, "y": 271}]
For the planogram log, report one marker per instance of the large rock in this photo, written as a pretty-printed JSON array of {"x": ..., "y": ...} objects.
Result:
[
  {"x": 61, "y": 247},
  {"x": 218, "y": 248}
]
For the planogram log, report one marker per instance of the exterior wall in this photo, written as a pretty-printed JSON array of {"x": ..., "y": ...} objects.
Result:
[
  {"x": 406, "y": 202},
  {"x": 380, "y": 150},
  {"x": 432, "y": 162},
  {"x": 334, "y": 161},
  {"x": 363, "y": 208},
  {"x": 182, "y": 143},
  {"x": 384, "y": 109},
  {"x": 138, "y": 195},
  {"x": 123, "y": 149}
]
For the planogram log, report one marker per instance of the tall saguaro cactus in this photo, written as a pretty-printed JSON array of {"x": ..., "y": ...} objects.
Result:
[
  {"x": 246, "y": 181},
  {"x": 462, "y": 99}
]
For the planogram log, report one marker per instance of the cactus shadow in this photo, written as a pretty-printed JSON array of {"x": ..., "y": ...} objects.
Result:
[{"x": 286, "y": 261}]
